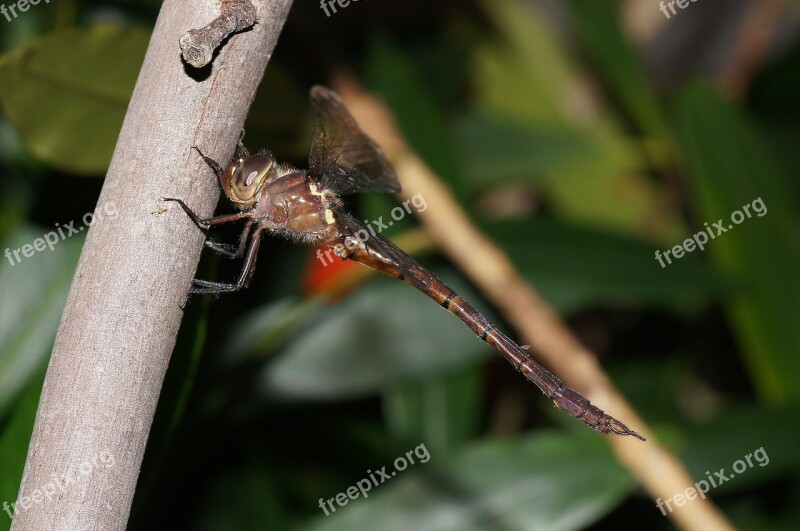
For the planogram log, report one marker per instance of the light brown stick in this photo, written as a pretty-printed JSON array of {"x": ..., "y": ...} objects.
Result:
[
  {"x": 752, "y": 44},
  {"x": 123, "y": 311},
  {"x": 660, "y": 472}
]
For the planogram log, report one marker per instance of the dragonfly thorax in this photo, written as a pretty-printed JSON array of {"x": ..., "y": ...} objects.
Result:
[{"x": 294, "y": 207}]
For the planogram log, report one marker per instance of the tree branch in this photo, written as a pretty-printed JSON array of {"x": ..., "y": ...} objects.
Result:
[
  {"x": 123, "y": 311},
  {"x": 660, "y": 472}
]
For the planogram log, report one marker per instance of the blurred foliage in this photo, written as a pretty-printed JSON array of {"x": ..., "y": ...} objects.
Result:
[
  {"x": 731, "y": 166},
  {"x": 549, "y": 128},
  {"x": 49, "y": 95}
]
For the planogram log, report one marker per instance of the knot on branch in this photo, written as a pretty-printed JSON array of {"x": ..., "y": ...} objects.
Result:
[{"x": 198, "y": 45}]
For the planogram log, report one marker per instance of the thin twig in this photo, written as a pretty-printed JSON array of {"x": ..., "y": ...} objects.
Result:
[
  {"x": 660, "y": 472},
  {"x": 751, "y": 47}
]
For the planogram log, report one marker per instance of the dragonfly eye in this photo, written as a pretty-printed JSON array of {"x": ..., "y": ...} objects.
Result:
[{"x": 247, "y": 176}]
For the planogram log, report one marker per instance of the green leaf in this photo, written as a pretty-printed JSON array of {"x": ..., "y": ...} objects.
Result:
[
  {"x": 385, "y": 333},
  {"x": 533, "y": 151},
  {"x": 264, "y": 329},
  {"x": 14, "y": 440},
  {"x": 395, "y": 75},
  {"x": 602, "y": 39},
  {"x": 652, "y": 380},
  {"x": 243, "y": 499},
  {"x": 575, "y": 267},
  {"x": 524, "y": 81},
  {"x": 525, "y": 74},
  {"x": 731, "y": 167},
  {"x": 34, "y": 293},
  {"x": 546, "y": 481},
  {"x": 722, "y": 442},
  {"x": 66, "y": 94},
  {"x": 441, "y": 412}
]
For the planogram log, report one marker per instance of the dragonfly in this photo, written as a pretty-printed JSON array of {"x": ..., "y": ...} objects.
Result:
[{"x": 306, "y": 206}]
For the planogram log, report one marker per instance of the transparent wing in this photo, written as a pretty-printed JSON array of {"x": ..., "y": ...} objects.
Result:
[
  {"x": 381, "y": 254},
  {"x": 343, "y": 158}
]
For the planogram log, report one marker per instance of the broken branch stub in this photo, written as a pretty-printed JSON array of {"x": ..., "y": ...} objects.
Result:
[{"x": 198, "y": 45}]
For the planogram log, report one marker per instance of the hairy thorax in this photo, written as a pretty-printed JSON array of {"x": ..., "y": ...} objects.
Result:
[{"x": 293, "y": 207}]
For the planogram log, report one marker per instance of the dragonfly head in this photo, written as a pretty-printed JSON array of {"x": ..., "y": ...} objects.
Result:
[{"x": 246, "y": 176}]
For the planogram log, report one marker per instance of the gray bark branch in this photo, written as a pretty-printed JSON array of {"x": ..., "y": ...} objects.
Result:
[{"x": 123, "y": 311}]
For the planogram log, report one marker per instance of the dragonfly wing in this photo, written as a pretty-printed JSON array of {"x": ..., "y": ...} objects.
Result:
[
  {"x": 375, "y": 251},
  {"x": 343, "y": 158}
]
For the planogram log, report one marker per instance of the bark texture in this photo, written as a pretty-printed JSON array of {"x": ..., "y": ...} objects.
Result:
[{"x": 123, "y": 311}]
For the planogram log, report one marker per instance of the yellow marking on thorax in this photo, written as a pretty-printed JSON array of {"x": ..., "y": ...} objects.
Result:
[{"x": 330, "y": 219}]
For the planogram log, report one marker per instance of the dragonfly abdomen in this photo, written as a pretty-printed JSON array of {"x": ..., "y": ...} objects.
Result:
[
  {"x": 563, "y": 397},
  {"x": 380, "y": 254}
]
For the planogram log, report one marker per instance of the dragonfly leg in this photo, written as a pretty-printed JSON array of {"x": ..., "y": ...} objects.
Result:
[
  {"x": 213, "y": 164},
  {"x": 225, "y": 249},
  {"x": 206, "y": 286},
  {"x": 204, "y": 224},
  {"x": 232, "y": 251}
]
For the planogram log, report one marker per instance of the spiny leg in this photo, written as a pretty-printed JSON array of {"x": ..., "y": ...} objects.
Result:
[
  {"x": 206, "y": 286},
  {"x": 224, "y": 249},
  {"x": 232, "y": 251},
  {"x": 213, "y": 164},
  {"x": 204, "y": 224}
]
